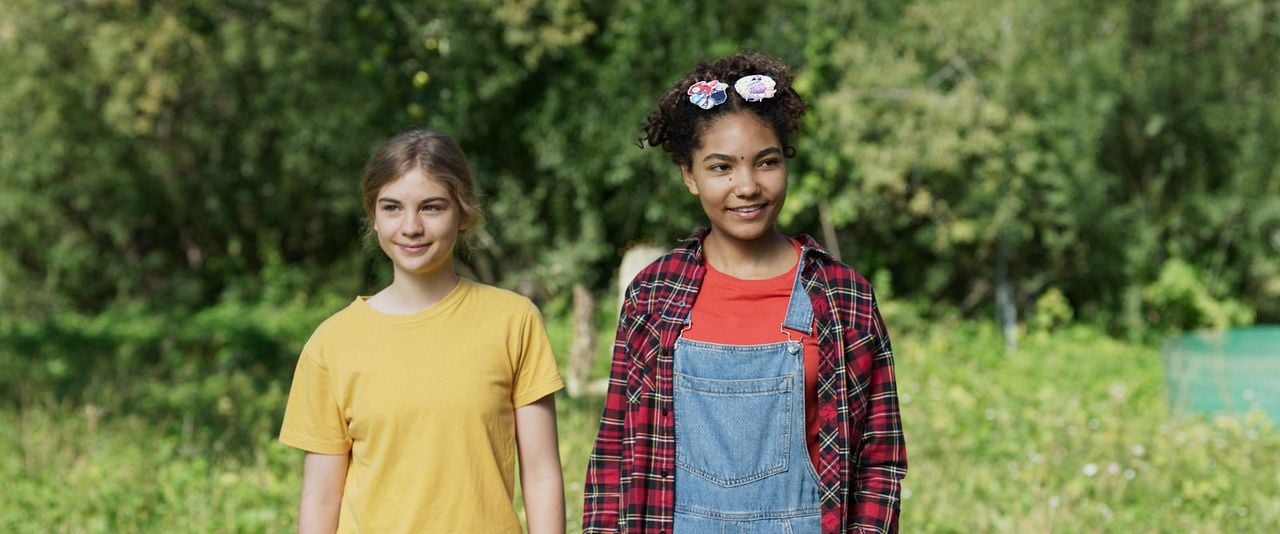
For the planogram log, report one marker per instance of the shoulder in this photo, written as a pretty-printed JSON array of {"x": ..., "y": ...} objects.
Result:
[
  {"x": 842, "y": 277},
  {"x": 670, "y": 271},
  {"x": 852, "y": 299},
  {"x": 496, "y": 300},
  {"x": 837, "y": 275},
  {"x": 349, "y": 316},
  {"x": 335, "y": 327},
  {"x": 495, "y": 294},
  {"x": 665, "y": 267}
]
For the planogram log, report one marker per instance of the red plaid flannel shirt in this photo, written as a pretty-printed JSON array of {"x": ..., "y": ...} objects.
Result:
[{"x": 862, "y": 456}]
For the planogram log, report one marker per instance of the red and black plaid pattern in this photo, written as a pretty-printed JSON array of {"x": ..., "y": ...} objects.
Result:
[{"x": 630, "y": 484}]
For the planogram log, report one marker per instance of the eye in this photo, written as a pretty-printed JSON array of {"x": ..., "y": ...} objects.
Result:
[
  {"x": 433, "y": 208},
  {"x": 771, "y": 162},
  {"x": 719, "y": 167},
  {"x": 390, "y": 208}
]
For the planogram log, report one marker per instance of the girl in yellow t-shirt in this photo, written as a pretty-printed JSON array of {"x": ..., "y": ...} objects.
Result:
[{"x": 413, "y": 404}]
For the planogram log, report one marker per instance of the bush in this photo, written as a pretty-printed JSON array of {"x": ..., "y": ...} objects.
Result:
[
  {"x": 1183, "y": 298},
  {"x": 1052, "y": 310},
  {"x": 223, "y": 370}
]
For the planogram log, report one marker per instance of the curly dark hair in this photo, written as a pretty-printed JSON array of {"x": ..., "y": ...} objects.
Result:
[{"x": 677, "y": 125}]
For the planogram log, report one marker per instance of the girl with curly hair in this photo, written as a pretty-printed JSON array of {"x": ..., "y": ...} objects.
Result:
[{"x": 752, "y": 386}]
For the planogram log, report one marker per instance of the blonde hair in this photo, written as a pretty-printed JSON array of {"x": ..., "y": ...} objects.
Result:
[{"x": 437, "y": 155}]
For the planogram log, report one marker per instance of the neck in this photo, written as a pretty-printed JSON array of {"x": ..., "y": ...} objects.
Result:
[
  {"x": 409, "y": 293},
  {"x": 765, "y": 257}
]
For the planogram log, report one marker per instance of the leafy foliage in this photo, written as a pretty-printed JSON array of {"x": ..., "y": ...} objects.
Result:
[{"x": 166, "y": 152}]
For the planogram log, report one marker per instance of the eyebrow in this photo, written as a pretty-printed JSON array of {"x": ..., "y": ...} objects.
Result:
[
  {"x": 760, "y": 154},
  {"x": 424, "y": 201}
]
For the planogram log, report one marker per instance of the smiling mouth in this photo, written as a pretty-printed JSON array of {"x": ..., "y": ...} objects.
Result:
[
  {"x": 412, "y": 248},
  {"x": 747, "y": 209}
]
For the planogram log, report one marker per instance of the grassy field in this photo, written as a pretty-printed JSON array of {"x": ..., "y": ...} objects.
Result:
[{"x": 1069, "y": 433}]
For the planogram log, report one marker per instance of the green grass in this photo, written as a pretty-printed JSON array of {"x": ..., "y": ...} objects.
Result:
[
  {"x": 1069, "y": 433},
  {"x": 71, "y": 469}
]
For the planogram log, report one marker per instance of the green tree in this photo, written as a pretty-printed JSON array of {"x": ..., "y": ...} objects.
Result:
[{"x": 180, "y": 153}]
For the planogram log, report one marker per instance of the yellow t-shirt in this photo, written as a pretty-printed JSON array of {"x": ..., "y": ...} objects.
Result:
[{"x": 425, "y": 404}]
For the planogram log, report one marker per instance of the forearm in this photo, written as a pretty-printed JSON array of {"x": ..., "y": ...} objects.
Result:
[
  {"x": 876, "y": 476},
  {"x": 540, "y": 474},
  {"x": 881, "y": 462},
  {"x": 875, "y": 494},
  {"x": 543, "y": 501},
  {"x": 319, "y": 513},
  {"x": 602, "y": 494},
  {"x": 323, "y": 480},
  {"x": 602, "y": 491}
]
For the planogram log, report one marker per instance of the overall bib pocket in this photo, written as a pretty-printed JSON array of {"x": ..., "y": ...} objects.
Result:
[{"x": 733, "y": 432}]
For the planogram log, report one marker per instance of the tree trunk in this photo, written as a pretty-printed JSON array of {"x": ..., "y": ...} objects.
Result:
[
  {"x": 828, "y": 229},
  {"x": 582, "y": 350},
  {"x": 1006, "y": 308}
]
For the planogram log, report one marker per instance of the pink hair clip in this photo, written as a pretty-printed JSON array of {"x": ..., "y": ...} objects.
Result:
[
  {"x": 707, "y": 95},
  {"x": 755, "y": 87}
]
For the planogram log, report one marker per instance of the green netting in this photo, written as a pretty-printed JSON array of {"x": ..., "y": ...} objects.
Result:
[{"x": 1232, "y": 372}]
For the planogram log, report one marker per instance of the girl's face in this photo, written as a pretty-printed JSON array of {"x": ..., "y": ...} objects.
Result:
[
  {"x": 417, "y": 222},
  {"x": 740, "y": 176}
]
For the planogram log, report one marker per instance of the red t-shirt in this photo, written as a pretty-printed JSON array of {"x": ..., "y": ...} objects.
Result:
[{"x": 733, "y": 311}]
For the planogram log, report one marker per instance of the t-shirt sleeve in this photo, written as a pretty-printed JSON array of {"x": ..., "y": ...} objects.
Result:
[
  {"x": 313, "y": 419},
  {"x": 536, "y": 375}
]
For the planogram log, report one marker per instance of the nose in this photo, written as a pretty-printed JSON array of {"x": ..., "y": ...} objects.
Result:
[
  {"x": 412, "y": 225},
  {"x": 745, "y": 183}
]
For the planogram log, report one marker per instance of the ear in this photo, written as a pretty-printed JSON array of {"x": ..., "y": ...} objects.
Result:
[{"x": 689, "y": 182}]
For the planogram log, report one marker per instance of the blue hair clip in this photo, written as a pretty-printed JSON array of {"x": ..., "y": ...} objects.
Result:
[{"x": 707, "y": 95}]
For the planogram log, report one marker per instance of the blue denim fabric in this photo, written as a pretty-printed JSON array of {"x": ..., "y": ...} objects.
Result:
[{"x": 742, "y": 464}]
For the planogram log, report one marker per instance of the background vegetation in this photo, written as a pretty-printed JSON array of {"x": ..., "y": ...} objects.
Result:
[{"x": 179, "y": 208}]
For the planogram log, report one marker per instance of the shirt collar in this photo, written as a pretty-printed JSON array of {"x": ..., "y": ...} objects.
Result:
[{"x": 692, "y": 248}]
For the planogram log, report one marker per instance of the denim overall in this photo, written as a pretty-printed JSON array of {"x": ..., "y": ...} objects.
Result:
[{"x": 742, "y": 463}]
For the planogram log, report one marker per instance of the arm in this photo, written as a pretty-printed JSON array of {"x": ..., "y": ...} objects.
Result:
[
  {"x": 540, "y": 478},
  {"x": 876, "y": 477},
  {"x": 602, "y": 495},
  {"x": 323, "y": 478}
]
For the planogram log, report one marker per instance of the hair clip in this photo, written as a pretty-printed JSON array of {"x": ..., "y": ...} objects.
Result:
[
  {"x": 755, "y": 87},
  {"x": 707, "y": 95}
]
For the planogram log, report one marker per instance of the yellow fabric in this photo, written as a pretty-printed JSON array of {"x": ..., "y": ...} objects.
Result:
[{"x": 425, "y": 404}]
